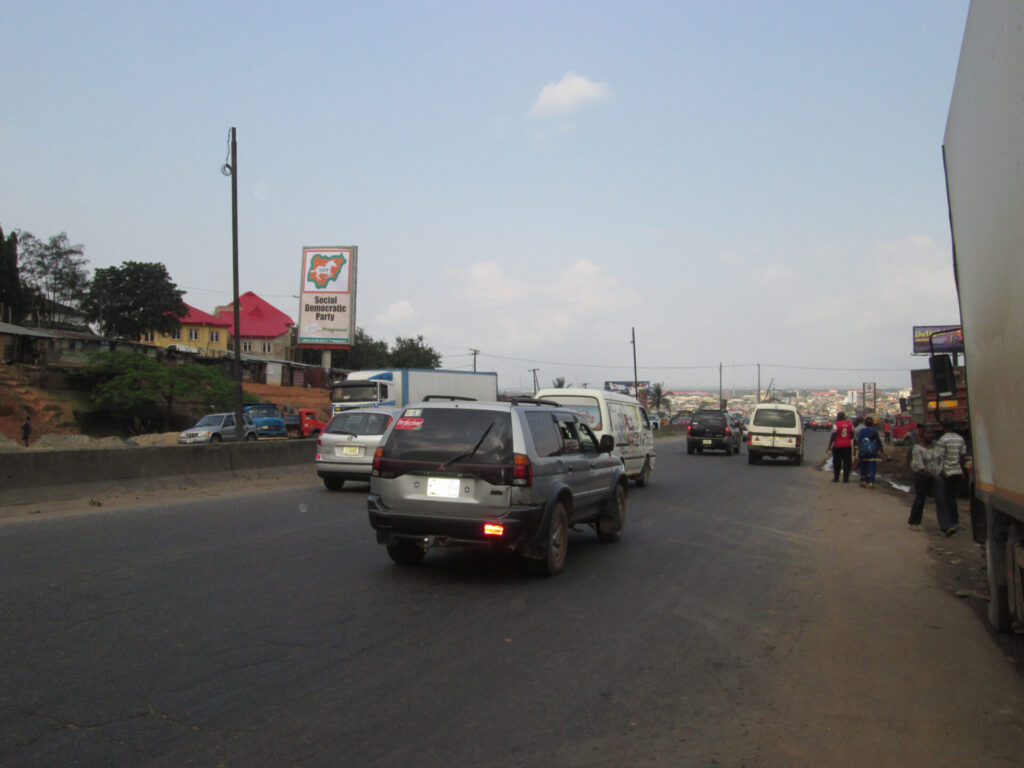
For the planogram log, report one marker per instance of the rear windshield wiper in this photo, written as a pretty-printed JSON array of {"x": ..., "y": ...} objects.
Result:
[{"x": 469, "y": 453}]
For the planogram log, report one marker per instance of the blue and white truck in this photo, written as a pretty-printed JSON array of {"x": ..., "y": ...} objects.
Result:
[{"x": 401, "y": 386}]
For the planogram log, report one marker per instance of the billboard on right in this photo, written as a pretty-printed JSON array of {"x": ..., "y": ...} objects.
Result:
[{"x": 945, "y": 339}]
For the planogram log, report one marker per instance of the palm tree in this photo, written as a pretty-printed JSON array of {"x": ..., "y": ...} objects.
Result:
[
  {"x": 558, "y": 382},
  {"x": 657, "y": 397}
]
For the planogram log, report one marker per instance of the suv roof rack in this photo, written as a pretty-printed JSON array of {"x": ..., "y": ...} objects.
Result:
[
  {"x": 533, "y": 401},
  {"x": 428, "y": 398}
]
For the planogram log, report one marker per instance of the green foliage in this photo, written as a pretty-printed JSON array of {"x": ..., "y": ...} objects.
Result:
[
  {"x": 558, "y": 382},
  {"x": 129, "y": 382},
  {"x": 414, "y": 353},
  {"x": 12, "y": 298},
  {"x": 136, "y": 297},
  {"x": 53, "y": 275},
  {"x": 656, "y": 397}
]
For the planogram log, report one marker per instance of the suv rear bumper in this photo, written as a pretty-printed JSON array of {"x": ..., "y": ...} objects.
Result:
[{"x": 520, "y": 525}]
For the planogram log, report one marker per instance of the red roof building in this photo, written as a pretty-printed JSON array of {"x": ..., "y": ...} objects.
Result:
[{"x": 263, "y": 329}]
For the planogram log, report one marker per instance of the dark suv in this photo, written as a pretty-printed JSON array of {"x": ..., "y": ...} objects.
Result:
[
  {"x": 713, "y": 431},
  {"x": 513, "y": 475}
]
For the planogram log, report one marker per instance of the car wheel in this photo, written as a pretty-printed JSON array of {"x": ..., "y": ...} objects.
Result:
[
  {"x": 798, "y": 460},
  {"x": 611, "y": 524},
  {"x": 752, "y": 458},
  {"x": 215, "y": 438},
  {"x": 250, "y": 436},
  {"x": 728, "y": 449},
  {"x": 689, "y": 447},
  {"x": 555, "y": 550},
  {"x": 333, "y": 483},
  {"x": 406, "y": 553},
  {"x": 315, "y": 434},
  {"x": 645, "y": 474}
]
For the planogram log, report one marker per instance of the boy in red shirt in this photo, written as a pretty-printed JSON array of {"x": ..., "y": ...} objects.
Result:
[{"x": 840, "y": 443}]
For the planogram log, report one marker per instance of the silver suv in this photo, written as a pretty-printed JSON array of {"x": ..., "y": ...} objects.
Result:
[{"x": 515, "y": 475}]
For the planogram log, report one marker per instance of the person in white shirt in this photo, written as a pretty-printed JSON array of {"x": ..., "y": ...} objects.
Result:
[
  {"x": 952, "y": 453},
  {"x": 926, "y": 463}
]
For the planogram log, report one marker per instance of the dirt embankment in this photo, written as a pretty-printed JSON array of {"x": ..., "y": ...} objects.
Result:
[{"x": 53, "y": 412}]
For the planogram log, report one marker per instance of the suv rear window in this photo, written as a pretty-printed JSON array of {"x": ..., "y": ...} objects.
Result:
[
  {"x": 770, "y": 417},
  {"x": 442, "y": 434},
  {"x": 358, "y": 423},
  {"x": 713, "y": 419}
]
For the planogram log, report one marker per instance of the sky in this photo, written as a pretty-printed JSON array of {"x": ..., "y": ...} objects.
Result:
[{"x": 738, "y": 183}]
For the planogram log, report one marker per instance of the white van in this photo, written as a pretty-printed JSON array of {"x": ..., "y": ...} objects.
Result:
[
  {"x": 622, "y": 417},
  {"x": 775, "y": 429}
]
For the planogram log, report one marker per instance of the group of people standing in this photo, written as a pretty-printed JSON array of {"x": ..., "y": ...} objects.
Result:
[
  {"x": 938, "y": 466},
  {"x": 848, "y": 442}
]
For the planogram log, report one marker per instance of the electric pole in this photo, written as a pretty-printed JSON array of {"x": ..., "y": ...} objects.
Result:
[
  {"x": 231, "y": 169},
  {"x": 534, "y": 372},
  {"x": 636, "y": 382},
  {"x": 474, "y": 353}
]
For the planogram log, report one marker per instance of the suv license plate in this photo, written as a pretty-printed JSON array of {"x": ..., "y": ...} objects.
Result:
[
  {"x": 707, "y": 442},
  {"x": 445, "y": 487},
  {"x": 350, "y": 450}
]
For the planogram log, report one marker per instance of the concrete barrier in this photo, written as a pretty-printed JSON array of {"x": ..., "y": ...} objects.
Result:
[{"x": 31, "y": 475}]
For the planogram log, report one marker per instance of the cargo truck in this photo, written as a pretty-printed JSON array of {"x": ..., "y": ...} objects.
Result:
[
  {"x": 983, "y": 154},
  {"x": 401, "y": 386}
]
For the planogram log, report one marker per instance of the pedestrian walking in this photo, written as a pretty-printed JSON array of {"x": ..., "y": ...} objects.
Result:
[
  {"x": 869, "y": 451},
  {"x": 926, "y": 463},
  {"x": 887, "y": 431},
  {"x": 26, "y": 429},
  {"x": 952, "y": 450},
  {"x": 840, "y": 444}
]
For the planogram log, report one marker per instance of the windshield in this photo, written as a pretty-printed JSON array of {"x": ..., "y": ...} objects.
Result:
[
  {"x": 264, "y": 412},
  {"x": 771, "y": 417},
  {"x": 585, "y": 405},
  {"x": 356, "y": 423},
  {"x": 440, "y": 434},
  {"x": 356, "y": 392}
]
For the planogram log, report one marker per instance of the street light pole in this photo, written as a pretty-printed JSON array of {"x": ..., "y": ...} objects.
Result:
[{"x": 231, "y": 169}]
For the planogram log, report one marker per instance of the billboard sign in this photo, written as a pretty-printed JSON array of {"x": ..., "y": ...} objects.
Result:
[
  {"x": 327, "y": 297},
  {"x": 625, "y": 387},
  {"x": 945, "y": 339}
]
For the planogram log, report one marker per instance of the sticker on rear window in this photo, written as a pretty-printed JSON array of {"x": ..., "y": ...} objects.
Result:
[
  {"x": 413, "y": 412},
  {"x": 407, "y": 423}
]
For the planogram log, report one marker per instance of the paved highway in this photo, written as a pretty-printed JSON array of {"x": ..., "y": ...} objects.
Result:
[{"x": 271, "y": 629}]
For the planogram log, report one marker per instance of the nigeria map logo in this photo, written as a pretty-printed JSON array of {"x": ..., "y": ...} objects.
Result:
[{"x": 324, "y": 270}]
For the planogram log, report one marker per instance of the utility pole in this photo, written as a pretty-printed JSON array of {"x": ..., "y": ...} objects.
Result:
[
  {"x": 474, "y": 352},
  {"x": 636, "y": 382},
  {"x": 534, "y": 372},
  {"x": 759, "y": 382},
  {"x": 231, "y": 169}
]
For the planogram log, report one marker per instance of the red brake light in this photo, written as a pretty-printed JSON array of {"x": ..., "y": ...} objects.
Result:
[
  {"x": 688, "y": 428},
  {"x": 376, "y": 461},
  {"x": 493, "y": 529},
  {"x": 522, "y": 470}
]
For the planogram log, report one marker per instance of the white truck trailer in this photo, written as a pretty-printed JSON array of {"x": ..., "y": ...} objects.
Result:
[
  {"x": 983, "y": 151},
  {"x": 401, "y": 386}
]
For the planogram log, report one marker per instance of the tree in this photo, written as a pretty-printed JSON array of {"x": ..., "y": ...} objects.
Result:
[
  {"x": 414, "y": 353},
  {"x": 129, "y": 382},
  {"x": 53, "y": 275},
  {"x": 657, "y": 396},
  {"x": 366, "y": 352},
  {"x": 12, "y": 298},
  {"x": 133, "y": 298},
  {"x": 558, "y": 382}
]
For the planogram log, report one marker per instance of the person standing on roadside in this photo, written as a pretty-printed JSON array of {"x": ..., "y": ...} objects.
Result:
[
  {"x": 26, "y": 429},
  {"x": 869, "y": 451},
  {"x": 952, "y": 450},
  {"x": 840, "y": 443},
  {"x": 926, "y": 464},
  {"x": 887, "y": 431}
]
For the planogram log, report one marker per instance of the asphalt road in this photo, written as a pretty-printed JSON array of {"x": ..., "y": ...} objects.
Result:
[{"x": 270, "y": 629}]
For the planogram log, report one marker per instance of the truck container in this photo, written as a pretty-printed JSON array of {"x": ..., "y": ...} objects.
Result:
[
  {"x": 983, "y": 153},
  {"x": 401, "y": 386}
]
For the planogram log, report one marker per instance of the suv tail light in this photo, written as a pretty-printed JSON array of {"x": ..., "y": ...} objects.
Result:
[
  {"x": 728, "y": 432},
  {"x": 375, "y": 471},
  {"x": 522, "y": 470},
  {"x": 689, "y": 428}
]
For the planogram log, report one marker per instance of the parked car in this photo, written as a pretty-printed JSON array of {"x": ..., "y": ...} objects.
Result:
[
  {"x": 216, "y": 428},
  {"x": 775, "y": 429},
  {"x": 712, "y": 431},
  {"x": 512, "y": 475},
  {"x": 344, "y": 449},
  {"x": 655, "y": 420}
]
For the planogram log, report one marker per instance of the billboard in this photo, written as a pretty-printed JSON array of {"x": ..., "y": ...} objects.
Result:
[
  {"x": 625, "y": 387},
  {"x": 946, "y": 339},
  {"x": 327, "y": 297}
]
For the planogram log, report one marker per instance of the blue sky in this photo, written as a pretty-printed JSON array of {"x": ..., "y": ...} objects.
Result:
[{"x": 741, "y": 182}]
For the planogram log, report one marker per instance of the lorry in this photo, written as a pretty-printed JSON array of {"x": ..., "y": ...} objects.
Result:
[
  {"x": 267, "y": 418},
  {"x": 304, "y": 423},
  {"x": 926, "y": 409},
  {"x": 983, "y": 155},
  {"x": 401, "y": 386}
]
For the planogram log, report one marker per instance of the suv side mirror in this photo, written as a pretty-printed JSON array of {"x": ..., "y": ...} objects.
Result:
[{"x": 607, "y": 443}]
